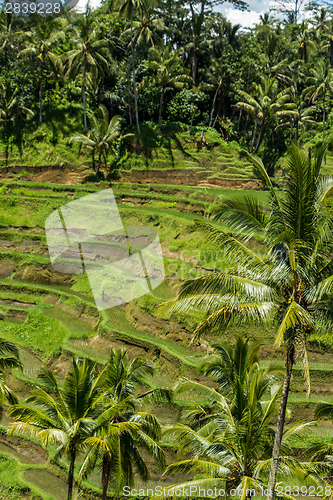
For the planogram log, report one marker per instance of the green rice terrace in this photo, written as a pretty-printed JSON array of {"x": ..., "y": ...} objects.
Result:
[
  {"x": 195, "y": 365},
  {"x": 52, "y": 316}
]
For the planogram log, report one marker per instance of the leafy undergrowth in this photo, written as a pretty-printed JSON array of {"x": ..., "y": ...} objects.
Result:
[{"x": 173, "y": 148}]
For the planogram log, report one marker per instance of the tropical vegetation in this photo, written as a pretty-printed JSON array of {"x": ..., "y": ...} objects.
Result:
[{"x": 219, "y": 136}]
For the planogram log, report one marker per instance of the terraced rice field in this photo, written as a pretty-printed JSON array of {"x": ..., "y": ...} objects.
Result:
[{"x": 52, "y": 315}]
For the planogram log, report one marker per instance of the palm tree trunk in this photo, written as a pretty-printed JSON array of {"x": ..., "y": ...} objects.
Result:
[
  {"x": 161, "y": 109},
  {"x": 213, "y": 105},
  {"x": 239, "y": 118},
  {"x": 280, "y": 422},
  {"x": 41, "y": 94},
  {"x": 191, "y": 126},
  {"x": 259, "y": 138},
  {"x": 134, "y": 80},
  {"x": 99, "y": 161},
  {"x": 106, "y": 475},
  {"x": 84, "y": 95},
  {"x": 254, "y": 133},
  {"x": 6, "y": 139},
  {"x": 324, "y": 117},
  {"x": 194, "y": 65},
  {"x": 71, "y": 472},
  {"x": 129, "y": 98},
  {"x": 217, "y": 113},
  {"x": 93, "y": 159}
]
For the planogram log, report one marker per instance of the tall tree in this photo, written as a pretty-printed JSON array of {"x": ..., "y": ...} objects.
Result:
[
  {"x": 290, "y": 280},
  {"x": 86, "y": 55},
  {"x": 199, "y": 35},
  {"x": 120, "y": 453},
  {"x": 41, "y": 42},
  {"x": 229, "y": 437},
  {"x": 328, "y": 44},
  {"x": 266, "y": 105},
  {"x": 102, "y": 135},
  {"x": 169, "y": 73},
  {"x": 291, "y": 9},
  {"x": 10, "y": 110},
  {"x": 321, "y": 86},
  {"x": 67, "y": 415},
  {"x": 128, "y": 8},
  {"x": 8, "y": 36},
  {"x": 148, "y": 29}
]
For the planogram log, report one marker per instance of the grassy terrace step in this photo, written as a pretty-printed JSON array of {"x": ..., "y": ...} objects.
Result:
[
  {"x": 190, "y": 194},
  {"x": 119, "y": 193},
  {"x": 115, "y": 320},
  {"x": 22, "y": 235},
  {"x": 42, "y": 289},
  {"x": 314, "y": 399},
  {"x": 158, "y": 211},
  {"x": 34, "y": 231},
  {"x": 168, "y": 213},
  {"x": 121, "y": 329},
  {"x": 314, "y": 365},
  {"x": 27, "y": 257},
  {"x": 183, "y": 354},
  {"x": 49, "y": 186},
  {"x": 18, "y": 296},
  {"x": 15, "y": 308}
]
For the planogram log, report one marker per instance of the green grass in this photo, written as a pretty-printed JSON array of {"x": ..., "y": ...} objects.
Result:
[
  {"x": 15, "y": 212},
  {"x": 19, "y": 297},
  {"x": 38, "y": 332},
  {"x": 117, "y": 323},
  {"x": 175, "y": 147},
  {"x": 13, "y": 484}
]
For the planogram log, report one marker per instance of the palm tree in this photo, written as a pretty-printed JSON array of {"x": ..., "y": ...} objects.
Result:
[
  {"x": 322, "y": 451},
  {"x": 9, "y": 358},
  {"x": 70, "y": 414},
  {"x": 288, "y": 281},
  {"x": 104, "y": 446},
  {"x": 303, "y": 43},
  {"x": 7, "y": 35},
  {"x": 215, "y": 76},
  {"x": 128, "y": 8},
  {"x": 266, "y": 19},
  {"x": 168, "y": 74},
  {"x": 194, "y": 47},
  {"x": 40, "y": 42},
  {"x": 328, "y": 43},
  {"x": 147, "y": 29},
  {"x": 290, "y": 74},
  {"x": 232, "y": 364},
  {"x": 304, "y": 117},
  {"x": 321, "y": 85},
  {"x": 265, "y": 106},
  {"x": 101, "y": 136},
  {"x": 86, "y": 55},
  {"x": 10, "y": 110},
  {"x": 230, "y": 438},
  {"x": 301, "y": 120},
  {"x": 139, "y": 430},
  {"x": 321, "y": 19}
]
